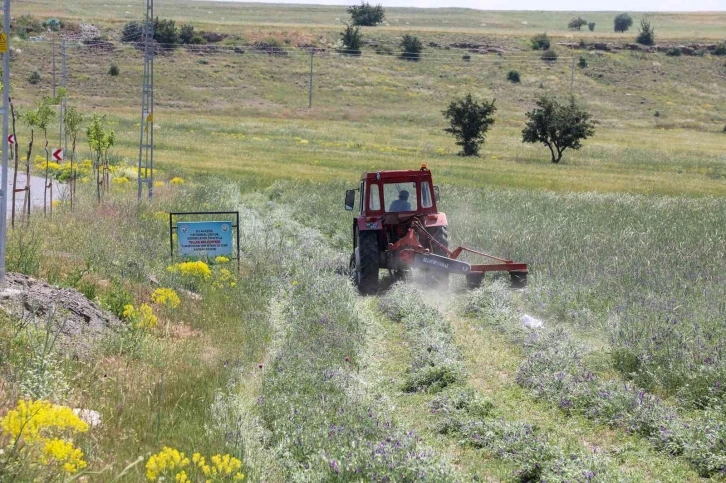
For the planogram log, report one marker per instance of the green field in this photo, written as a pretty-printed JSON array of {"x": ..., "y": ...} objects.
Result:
[{"x": 281, "y": 364}]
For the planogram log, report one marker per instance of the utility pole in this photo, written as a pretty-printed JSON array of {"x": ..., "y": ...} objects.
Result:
[
  {"x": 146, "y": 143},
  {"x": 53, "y": 67},
  {"x": 63, "y": 85},
  {"x": 5, "y": 49},
  {"x": 310, "y": 95}
]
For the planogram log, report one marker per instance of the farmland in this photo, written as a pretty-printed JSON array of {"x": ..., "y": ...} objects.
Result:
[{"x": 280, "y": 364}]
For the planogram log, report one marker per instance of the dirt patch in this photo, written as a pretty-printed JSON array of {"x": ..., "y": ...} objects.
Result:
[{"x": 78, "y": 322}]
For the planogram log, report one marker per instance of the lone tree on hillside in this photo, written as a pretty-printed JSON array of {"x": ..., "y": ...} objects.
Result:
[
  {"x": 557, "y": 126},
  {"x": 646, "y": 35},
  {"x": 166, "y": 32},
  {"x": 540, "y": 42},
  {"x": 366, "y": 15},
  {"x": 412, "y": 47},
  {"x": 351, "y": 38},
  {"x": 591, "y": 26},
  {"x": 576, "y": 23},
  {"x": 623, "y": 22},
  {"x": 469, "y": 121}
]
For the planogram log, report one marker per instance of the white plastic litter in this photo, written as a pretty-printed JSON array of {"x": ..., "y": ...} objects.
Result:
[
  {"x": 91, "y": 417},
  {"x": 531, "y": 323}
]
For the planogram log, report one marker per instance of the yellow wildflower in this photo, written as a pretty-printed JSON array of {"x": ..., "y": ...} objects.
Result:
[
  {"x": 128, "y": 312},
  {"x": 158, "y": 184},
  {"x": 176, "y": 180},
  {"x": 221, "y": 259},
  {"x": 196, "y": 269},
  {"x": 33, "y": 420},
  {"x": 165, "y": 296},
  {"x": 69, "y": 457},
  {"x": 142, "y": 318},
  {"x": 164, "y": 462},
  {"x": 120, "y": 180}
]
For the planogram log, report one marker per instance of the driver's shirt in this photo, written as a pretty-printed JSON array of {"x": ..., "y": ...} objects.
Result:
[{"x": 400, "y": 205}]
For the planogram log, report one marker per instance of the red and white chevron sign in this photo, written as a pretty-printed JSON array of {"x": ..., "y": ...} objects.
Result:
[
  {"x": 11, "y": 139},
  {"x": 58, "y": 155}
]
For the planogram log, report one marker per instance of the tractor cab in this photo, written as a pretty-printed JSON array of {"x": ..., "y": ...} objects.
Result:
[{"x": 394, "y": 192}]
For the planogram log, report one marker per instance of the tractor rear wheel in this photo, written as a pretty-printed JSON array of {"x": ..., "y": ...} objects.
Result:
[
  {"x": 365, "y": 260},
  {"x": 441, "y": 235}
]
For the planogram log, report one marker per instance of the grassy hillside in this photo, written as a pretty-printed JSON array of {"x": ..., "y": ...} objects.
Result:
[{"x": 279, "y": 364}]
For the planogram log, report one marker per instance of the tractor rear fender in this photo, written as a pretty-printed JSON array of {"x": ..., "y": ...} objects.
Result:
[
  {"x": 435, "y": 219},
  {"x": 367, "y": 224}
]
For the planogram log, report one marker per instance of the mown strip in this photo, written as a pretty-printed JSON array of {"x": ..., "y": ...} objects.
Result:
[
  {"x": 555, "y": 370},
  {"x": 461, "y": 413}
]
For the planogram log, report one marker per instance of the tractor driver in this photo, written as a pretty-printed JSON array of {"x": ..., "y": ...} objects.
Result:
[{"x": 401, "y": 204}]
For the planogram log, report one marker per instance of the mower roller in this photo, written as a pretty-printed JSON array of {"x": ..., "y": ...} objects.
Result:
[{"x": 399, "y": 227}]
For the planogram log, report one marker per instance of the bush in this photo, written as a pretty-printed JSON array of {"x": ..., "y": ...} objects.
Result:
[
  {"x": 646, "y": 36},
  {"x": 582, "y": 63},
  {"x": 352, "y": 39},
  {"x": 557, "y": 126},
  {"x": 466, "y": 57},
  {"x": 116, "y": 300},
  {"x": 469, "y": 121},
  {"x": 576, "y": 23},
  {"x": 622, "y": 22},
  {"x": 412, "y": 47},
  {"x": 549, "y": 55},
  {"x": 591, "y": 26},
  {"x": 540, "y": 42},
  {"x": 366, "y": 15},
  {"x": 34, "y": 78},
  {"x": 166, "y": 32},
  {"x": 673, "y": 52},
  {"x": 27, "y": 24},
  {"x": 513, "y": 77},
  {"x": 53, "y": 24},
  {"x": 720, "y": 49},
  {"x": 132, "y": 32},
  {"x": 114, "y": 70},
  {"x": 186, "y": 34}
]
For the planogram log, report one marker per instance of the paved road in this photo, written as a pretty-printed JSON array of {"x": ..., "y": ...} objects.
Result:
[{"x": 36, "y": 190}]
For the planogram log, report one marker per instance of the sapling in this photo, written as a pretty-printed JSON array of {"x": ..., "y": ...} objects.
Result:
[
  {"x": 73, "y": 121},
  {"x": 100, "y": 140}
]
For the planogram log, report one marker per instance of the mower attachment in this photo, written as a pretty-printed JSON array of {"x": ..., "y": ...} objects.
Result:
[{"x": 437, "y": 262}]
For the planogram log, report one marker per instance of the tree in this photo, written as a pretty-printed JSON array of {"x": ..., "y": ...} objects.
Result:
[
  {"x": 513, "y": 77},
  {"x": 622, "y": 22},
  {"x": 412, "y": 47},
  {"x": 366, "y": 15},
  {"x": 549, "y": 55},
  {"x": 576, "y": 23},
  {"x": 591, "y": 26},
  {"x": 42, "y": 119},
  {"x": 469, "y": 121},
  {"x": 132, "y": 32},
  {"x": 100, "y": 140},
  {"x": 557, "y": 126},
  {"x": 351, "y": 38},
  {"x": 540, "y": 42},
  {"x": 166, "y": 32},
  {"x": 72, "y": 122},
  {"x": 646, "y": 35}
]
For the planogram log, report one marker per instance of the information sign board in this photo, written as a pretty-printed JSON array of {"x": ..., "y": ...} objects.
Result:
[{"x": 204, "y": 238}]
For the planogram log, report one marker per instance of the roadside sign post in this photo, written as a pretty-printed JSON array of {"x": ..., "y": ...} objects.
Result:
[
  {"x": 204, "y": 239},
  {"x": 5, "y": 50}
]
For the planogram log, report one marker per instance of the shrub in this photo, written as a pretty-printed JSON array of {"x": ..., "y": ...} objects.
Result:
[
  {"x": 352, "y": 39},
  {"x": 116, "y": 300},
  {"x": 576, "y": 23},
  {"x": 469, "y": 122},
  {"x": 513, "y": 76},
  {"x": 412, "y": 47},
  {"x": 646, "y": 36},
  {"x": 466, "y": 57},
  {"x": 591, "y": 26},
  {"x": 720, "y": 49},
  {"x": 673, "y": 52},
  {"x": 557, "y": 126},
  {"x": 53, "y": 24},
  {"x": 113, "y": 71},
  {"x": 186, "y": 34},
  {"x": 132, "y": 32},
  {"x": 622, "y": 22},
  {"x": 366, "y": 15},
  {"x": 540, "y": 42},
  {"x": 582, "y": 63},
  {"x": 34, "y": 78},
  {"x": 166, "y": 32},
  {"x": 28, "y": 25},
  {"x": 549, "y": 55}
]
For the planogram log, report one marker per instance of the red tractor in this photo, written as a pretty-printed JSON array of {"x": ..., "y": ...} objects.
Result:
[{"x": 399, "y": 227}]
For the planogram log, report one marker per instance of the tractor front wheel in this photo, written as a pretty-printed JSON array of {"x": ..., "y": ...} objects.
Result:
[{"x": 365, "y": 262}]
